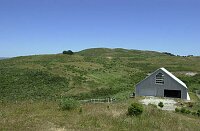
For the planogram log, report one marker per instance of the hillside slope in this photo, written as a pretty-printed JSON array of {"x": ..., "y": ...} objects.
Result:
[{"x": 91, "y": 73}]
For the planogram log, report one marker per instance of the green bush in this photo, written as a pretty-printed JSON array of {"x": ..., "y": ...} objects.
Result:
[
  {"x": 187, "y": 111},
  {"x": 68, "y": 104},
  {"x": 160, "y": 104},
  {"x": 135, "y": 109},
  {"x": 183, "y": 110},
  {"x": 177, "y": 110},
  {"x": 194, "y": 113}
]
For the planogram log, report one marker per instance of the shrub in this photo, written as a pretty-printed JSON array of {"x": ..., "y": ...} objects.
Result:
[
  {"x": 160, "y": 104},
  {"x": 177, "y": 110},
  {"x": 167, "y": 53},
  {"x": 69, "y": 52},
  {"x": 183, "y": 110},
  {"x": 135, "y": 109},
  {"x": 187, "y": 111},
  {"x": 64, "y": 52},
  {"x": 194, "y": 113},
  {"x": 68, "y": 104}
]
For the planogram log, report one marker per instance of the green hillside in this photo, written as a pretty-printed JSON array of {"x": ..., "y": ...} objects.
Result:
[
  {"x": 30, "y": 87},
  {"x": 89, "y": 73}
]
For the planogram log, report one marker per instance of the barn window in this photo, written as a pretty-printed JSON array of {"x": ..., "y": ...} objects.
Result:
[{"x": 160, "y": 79}]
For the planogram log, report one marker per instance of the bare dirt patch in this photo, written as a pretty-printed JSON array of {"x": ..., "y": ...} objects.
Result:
[
  {"x": 169, "y": 104},
  {"x": 109, "y": 58}
]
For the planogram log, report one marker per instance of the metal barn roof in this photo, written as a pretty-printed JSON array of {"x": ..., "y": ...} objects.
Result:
[{"x": 174, "y": 77}]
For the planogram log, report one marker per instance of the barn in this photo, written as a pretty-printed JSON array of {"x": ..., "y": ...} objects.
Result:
[{"x": 162, "y": 83}]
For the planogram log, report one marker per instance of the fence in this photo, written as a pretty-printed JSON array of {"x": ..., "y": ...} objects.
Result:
[{"x": 107, "y": 100}]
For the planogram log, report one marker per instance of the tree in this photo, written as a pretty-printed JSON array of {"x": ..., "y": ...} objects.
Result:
[{"x": 69, "y": 52}]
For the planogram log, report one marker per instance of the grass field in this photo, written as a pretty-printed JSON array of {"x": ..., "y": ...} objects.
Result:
[
  {"x": 31, "y": 87},
  {"x": 42, "y": 115}
]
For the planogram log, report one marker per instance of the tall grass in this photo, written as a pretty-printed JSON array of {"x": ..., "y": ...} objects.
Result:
[{"x": 46, "y": 116}]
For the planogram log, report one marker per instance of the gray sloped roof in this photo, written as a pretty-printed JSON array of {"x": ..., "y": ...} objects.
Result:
[
  {"x": 174, "y": 77},
  {"x": 168, "y": 73}
]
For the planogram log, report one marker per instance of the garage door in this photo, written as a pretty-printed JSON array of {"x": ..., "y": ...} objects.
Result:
[
  {"x": 147, "y": 91},
  {"x": 172, "y": 93}
]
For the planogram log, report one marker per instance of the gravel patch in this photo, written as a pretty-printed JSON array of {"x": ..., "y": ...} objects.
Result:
[{"x": 169, "y": 104}]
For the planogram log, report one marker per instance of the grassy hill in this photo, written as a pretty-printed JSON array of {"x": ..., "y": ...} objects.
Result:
[
  {"x": 87, "y": 74},
  {"x": 32, "y": 84}
]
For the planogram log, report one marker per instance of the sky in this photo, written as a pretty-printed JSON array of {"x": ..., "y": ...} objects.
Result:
[{"x": 29, "y": 27}]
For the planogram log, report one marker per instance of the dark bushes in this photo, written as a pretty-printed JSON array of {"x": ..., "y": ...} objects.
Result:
[
  {"x": 167, "y": 53},
  {"x": 186, "y": 111},
  {"x": 193, "y": 113},
  {"x": 69, "y": 52},
  {"x": 183, "y": 110}
]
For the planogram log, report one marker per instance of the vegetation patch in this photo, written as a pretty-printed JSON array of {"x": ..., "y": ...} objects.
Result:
[
  {"x": 68, "y": 104},
  {"x": 99, "y": 93},
  {"x": 183, "y": 110},
  {"x": 20, "y": 84},
  {"x": 135, "y": 109},
  {"x": 69, "y": 52},
  {"x": 160, "y": 104},
  {"x": 52, "y": 76}
]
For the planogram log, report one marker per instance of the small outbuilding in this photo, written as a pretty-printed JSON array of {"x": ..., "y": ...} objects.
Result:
[{"x": 162, "y": 83}]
